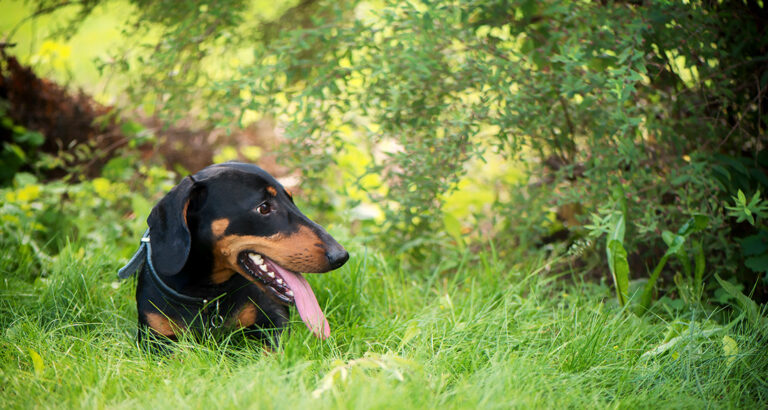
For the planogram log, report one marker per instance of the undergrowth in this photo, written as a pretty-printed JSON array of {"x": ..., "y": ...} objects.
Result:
[{"x": 471, "y": 331}]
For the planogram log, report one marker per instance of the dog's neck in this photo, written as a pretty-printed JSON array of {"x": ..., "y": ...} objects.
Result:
[{"x": 194, "y": 278}]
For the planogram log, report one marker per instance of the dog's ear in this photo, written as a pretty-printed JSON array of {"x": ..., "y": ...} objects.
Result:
[{"x": 168, "y": 230}]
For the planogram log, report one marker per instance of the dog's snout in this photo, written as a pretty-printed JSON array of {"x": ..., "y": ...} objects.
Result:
[{"x": 337, "y": 257}]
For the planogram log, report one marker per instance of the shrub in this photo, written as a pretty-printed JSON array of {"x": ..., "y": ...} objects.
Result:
[{"x": 644, "y": 109}]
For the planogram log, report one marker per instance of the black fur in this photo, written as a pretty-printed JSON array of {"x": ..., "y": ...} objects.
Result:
[{"x": 184, "y": 251}]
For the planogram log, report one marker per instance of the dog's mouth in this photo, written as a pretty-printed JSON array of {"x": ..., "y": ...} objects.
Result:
[{"x": 288, "y": 287}]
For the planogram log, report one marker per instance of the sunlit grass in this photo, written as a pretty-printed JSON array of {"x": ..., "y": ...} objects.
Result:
[{"x": 478, "y": 334}]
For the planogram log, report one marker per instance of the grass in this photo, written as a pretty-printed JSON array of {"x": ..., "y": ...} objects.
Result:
[{"x": 469, "y": 332}]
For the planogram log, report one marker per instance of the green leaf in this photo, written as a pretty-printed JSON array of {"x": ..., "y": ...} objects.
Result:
[
  {"x": 645, "y": 298},
  {"x": 741, "y": 198},
  {"x": 746, "y": 304},
  {"x": 681, "y": 179},
  {"x": 697, "y": 223},
  {"x": 758, "y": 263},
  {"x": 411, "y": 331},
  {"x": 619, "y": 226},
  {"x": 37, "y": 362},
  {"x": 730, "y": 349},
  {"x": 754, "y": 244},
  {"x": 700, "y": 264},
  {"x": 674, "y": 242},
  {"x": 668, "y": 237},
  {"x": 131, "y": 128},
  {"x": 619, "y": 266},
  {"x": 722, "y": 174},
  {"x": 22, "y": 179},
  {"x": 16, "y": 150},
  {"x": 31, "y": 138},
  {"x": 453, "y": 228},
  {"x": 734, "y": 164},
  {"x": 682, "y": 257},
  {"x": 757, "y": 174}
]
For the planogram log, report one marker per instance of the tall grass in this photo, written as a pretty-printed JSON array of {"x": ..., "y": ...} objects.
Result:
[{"x": 468, "y": 332}]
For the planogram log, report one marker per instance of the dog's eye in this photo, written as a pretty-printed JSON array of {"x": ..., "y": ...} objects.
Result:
[{"x": 264, "y": 208}]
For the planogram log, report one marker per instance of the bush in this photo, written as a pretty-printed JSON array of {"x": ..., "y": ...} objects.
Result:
[
  {"x": 38, "y": 220},
  {"x": 650, "y": 110}
]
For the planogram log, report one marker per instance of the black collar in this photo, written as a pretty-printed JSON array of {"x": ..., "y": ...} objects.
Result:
[{"x": 144, "y": 256}]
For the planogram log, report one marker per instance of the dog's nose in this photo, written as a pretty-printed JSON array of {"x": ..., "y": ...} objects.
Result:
[{"x": 337, "y": 257}]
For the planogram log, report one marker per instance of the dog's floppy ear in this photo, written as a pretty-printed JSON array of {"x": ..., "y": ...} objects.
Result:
[{"x": 168, "y": 230}]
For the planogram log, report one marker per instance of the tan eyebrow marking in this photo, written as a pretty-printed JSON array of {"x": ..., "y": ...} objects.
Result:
[
  {"x": 290, "y": 194},
  {"x": 272, "y": 191},
  {"x": 219, "y": 226}
]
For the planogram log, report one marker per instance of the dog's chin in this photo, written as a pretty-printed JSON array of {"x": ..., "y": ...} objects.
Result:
[{"x": 262, "y": 272}]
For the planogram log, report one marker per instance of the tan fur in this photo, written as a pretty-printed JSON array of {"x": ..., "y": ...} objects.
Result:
[
  {"x": 247, "y": 315},
  {"x": 221, "y": 270},
  {"x": 301, "y": 251},
  {"x": 272, "y": 191},
  {"x": 184, "y": 212},
  {"x": 161, "y": 324},
  {"x": 219, "y": 226}
]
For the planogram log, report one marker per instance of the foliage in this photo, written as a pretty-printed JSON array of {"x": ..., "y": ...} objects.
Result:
[
  {"x": 501, "y": 75},
  {"x": 18, "y": 148},
  {"x": 744, "y": 211},
  {"x": 38, "y": 220},
  {"x": 604, "y": 95},
  {"x": 617, "y": 259},
  {"x": 490, "y": 87},
  {"x": 651, "y": 110},
  {"x": 676, "y": 247},
  {"x": 754, "y": 247}
]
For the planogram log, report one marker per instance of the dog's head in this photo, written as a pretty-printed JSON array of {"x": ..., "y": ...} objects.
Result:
[{"x": 249, "y": 222}]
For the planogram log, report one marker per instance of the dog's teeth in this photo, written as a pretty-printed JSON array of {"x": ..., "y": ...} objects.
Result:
[
  {"x": 263, "y": 266},
  {"x": 255, "y": 258},
  {"x": 289, "y": 293},
  {"x": 271, "y": 274},
  {"x": 279, "y": 281}
]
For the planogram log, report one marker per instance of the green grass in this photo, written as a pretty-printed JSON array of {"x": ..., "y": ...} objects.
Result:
[{"x": 469, "y": 332}]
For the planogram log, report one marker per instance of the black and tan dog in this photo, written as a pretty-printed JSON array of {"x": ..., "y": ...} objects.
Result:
[{"x": 224, "y": 248}]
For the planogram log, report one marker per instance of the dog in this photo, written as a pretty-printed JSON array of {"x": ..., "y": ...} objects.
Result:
[{"x": 224, "y": 249}]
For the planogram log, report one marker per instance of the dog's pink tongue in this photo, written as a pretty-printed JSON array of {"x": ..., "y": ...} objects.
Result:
[{"x": 306, "y": 303}]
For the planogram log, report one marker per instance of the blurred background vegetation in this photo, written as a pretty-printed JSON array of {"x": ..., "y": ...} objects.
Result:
[{"x": 624, "y": 140}]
